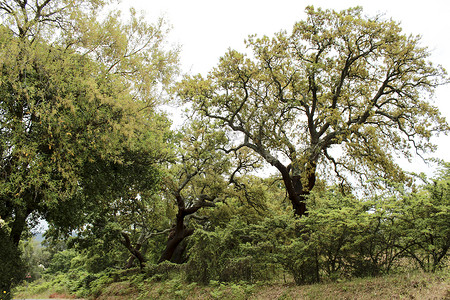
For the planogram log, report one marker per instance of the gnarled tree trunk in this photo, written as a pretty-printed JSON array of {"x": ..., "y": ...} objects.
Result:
[{"x": 179, "y": 231}]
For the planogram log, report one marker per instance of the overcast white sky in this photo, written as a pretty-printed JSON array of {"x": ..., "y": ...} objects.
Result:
[{"x": 206, "y": 29}]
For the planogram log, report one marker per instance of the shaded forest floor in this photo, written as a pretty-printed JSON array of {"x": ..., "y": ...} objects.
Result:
[{"x": 415, "y": 285}]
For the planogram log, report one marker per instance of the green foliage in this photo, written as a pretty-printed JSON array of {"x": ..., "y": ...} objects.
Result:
[
  {"x": 83, "y": 146},
  {"x": 425, "y": 222},
  {"x": 35, "y": 257},
  {"x": 165, "y": 270},
  {"x": 341, "y": 237},
  {"x": 61, "y": 262},
  {"x": 237, "y": 252},
  {"x": 78, "y": 121},
  {"x": 300, "y": 259},
  {"x": 339, "y": 78},
  {"x": 12, "y": 267},
  {"x": 417, "y": 285}
]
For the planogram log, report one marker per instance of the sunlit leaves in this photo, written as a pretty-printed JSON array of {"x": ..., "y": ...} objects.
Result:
[
  {"x": 338, "y": 78},
  {"x": 78, "y": 106}
]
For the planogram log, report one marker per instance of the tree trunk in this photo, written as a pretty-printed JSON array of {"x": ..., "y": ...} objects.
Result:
[
  {"x": 297, "y": 192},
  {"x": 179, "y": 255},
  {"x": 130, "y": 262},
  {"x": 11, "y": 266},
  {"x": 299, "y": 206},
  {"x": 133, "y": 256},
  {"x": 178, "y": 234},
  {"x": 134, "y": 251},
  {"x": 19, "y": 225}
]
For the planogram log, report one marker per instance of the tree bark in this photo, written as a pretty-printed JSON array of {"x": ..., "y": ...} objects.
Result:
[
  {"x": 297, "y": 192},
  {"x": 17, "y": 227},
  {"x": 132, "y": 258},
  {"x": 135, "y": 251},
  {"x": 180, "y": 232}
]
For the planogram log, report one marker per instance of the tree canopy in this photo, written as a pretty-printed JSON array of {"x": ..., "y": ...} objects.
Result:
[
  {"x": 78, "y": 118},
  {"x": 342, "y": 94},
  {"x": 84, "y": 146}
]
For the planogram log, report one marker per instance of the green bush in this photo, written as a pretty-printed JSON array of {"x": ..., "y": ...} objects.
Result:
[
  {"x": 163, "y": 271},
  {"x": 425, "y": 223},
  {"x": 237, "y": 252},
  {"x": 62, "y": 261},
  {"x": 300, "y": 259}
]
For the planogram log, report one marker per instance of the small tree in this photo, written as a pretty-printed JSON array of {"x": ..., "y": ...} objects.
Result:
[
  {"x": 195, "y": 180},
  {"x": 425, "y": 220}
]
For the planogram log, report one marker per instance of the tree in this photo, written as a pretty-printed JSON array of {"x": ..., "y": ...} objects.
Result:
[
  {"x": 125, "y": 228},
  {"x": 338, "y": 81},
  {"x": 424, "y": 219},
  {"x": 77, "y": 110},
  {"x": 196, "y": 179}
]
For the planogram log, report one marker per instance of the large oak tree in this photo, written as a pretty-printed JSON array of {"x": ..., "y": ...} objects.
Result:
[{"x": 339, "y": 78}]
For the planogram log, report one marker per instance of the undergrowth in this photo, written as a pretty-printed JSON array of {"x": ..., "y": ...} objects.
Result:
[{"x": 117, "y": 285}]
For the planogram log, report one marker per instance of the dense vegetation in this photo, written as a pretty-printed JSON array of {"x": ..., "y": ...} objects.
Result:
[{"x": 86, "y": 147}]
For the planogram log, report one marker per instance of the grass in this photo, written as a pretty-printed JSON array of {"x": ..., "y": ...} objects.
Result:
[
  {"x": 405, "y": 286},
  {"x": 50, "y": 293},
  {"x": 413, "y": 285},
  {"x": 43, "y": 289}
]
